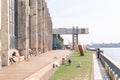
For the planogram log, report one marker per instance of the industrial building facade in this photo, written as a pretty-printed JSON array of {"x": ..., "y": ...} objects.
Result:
[
  {"x": 58, "y": 42},
  {"x": 24, "y": 25}
]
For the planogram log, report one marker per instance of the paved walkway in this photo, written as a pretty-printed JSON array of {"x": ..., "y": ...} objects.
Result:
[
  {"x": 99, "y": 71},
  {"x": 22, "y": 70},
  {"x": 41, "y": 64}
]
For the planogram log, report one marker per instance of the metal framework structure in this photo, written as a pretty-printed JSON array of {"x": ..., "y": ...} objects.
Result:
[{"x": 74, "y": 31}]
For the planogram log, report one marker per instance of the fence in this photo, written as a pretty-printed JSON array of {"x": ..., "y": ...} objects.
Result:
[{"x": 112, "y": 68}]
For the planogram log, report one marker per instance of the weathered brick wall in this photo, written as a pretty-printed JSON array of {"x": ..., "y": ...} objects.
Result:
[{"x": 40, "y": 20}]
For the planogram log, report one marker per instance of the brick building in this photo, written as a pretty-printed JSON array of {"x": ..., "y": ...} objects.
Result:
[{"x": 24, "y": 25}]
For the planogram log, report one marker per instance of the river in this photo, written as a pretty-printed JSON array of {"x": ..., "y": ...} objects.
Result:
[{"x": 113, "y": 53}]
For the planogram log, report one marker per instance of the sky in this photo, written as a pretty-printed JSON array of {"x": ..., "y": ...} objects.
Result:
[{"x": 101, "y": 17}]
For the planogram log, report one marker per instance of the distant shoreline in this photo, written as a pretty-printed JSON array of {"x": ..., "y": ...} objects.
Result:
[{"x": 104, "y": 45}]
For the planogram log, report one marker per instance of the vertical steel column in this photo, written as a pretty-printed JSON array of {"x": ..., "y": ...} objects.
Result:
[{"x": 77, "y": 35}]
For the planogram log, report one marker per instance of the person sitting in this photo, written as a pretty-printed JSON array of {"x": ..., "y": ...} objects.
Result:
[
  {"x": 30, "y": 52},
  {"x": 12, "y": 58}
]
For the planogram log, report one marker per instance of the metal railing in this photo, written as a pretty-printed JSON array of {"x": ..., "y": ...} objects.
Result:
[{"x": 112, "y": 67}]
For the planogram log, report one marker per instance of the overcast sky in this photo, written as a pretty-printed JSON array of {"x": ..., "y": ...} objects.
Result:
[{"x": 102, "y": 17}]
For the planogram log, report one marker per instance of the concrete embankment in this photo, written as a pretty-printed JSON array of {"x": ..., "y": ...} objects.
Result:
[
  {"x": 37, "y": 68},
  {"x": 99, "y": 72}
]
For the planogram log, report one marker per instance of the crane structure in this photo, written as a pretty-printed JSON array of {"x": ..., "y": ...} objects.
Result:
[{"x": 73, "y": 31}]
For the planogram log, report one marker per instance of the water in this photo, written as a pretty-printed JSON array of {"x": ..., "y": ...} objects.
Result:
[{"x": 113, "y": 53}]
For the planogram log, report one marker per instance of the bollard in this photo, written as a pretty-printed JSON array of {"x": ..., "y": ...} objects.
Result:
[
  {"x": 63, "y": 61},
  {"x": 53, "y": 65},
  {"x": 78, "y": 65}
]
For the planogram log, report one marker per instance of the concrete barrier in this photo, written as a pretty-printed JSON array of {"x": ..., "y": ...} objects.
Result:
[{"x": 112, "y": 68}]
